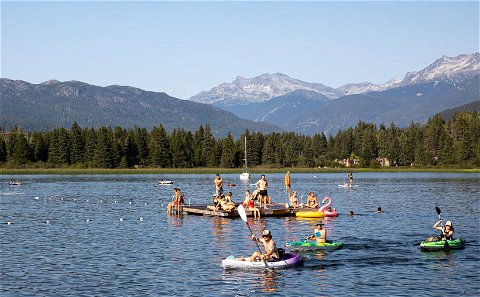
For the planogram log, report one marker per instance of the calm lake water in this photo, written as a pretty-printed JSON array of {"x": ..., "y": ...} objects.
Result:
[{"x": 110, "y": 235}]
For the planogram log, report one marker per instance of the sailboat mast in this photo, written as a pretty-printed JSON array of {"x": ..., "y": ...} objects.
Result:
[{"x": 245, "y": 152}]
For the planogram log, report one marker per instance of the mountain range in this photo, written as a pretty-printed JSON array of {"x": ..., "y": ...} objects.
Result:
[
  {"x": 267, "y": 103},
  {"x": 54, "y": 104},
  {"x": 446, "y": 83},
  {"x": 267, "y": 86}
]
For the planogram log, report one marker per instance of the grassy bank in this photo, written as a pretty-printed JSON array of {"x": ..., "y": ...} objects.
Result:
[{"x": 76, "y": 171}]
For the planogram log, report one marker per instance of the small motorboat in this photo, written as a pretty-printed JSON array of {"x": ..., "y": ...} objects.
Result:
[
  {"x": 14, "y": 183},
  {"x": 165, "y": 182}
]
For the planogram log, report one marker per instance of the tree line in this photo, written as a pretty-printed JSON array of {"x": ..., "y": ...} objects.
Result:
[{"x": 455, "y": 142}]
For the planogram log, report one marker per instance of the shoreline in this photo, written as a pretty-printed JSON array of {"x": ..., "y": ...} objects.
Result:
[{"x": 258, "y": 170}]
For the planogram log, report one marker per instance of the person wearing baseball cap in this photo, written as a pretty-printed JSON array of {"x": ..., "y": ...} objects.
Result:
[
  {"x": 271, "y": 252},
  {"x": 447, "y": 230}
]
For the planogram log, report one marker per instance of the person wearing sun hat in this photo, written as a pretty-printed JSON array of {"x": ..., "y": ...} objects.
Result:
[
  {"x": 271, "y": 252},
  {"x": 447, "y": 230},
  {"x": 319, "y": 233}
]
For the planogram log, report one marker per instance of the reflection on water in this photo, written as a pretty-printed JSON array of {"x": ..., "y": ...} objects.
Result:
[{"x": 110, "y": 235}]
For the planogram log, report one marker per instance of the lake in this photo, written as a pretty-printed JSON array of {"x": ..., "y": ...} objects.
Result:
[{"x": 96, "y": 235}]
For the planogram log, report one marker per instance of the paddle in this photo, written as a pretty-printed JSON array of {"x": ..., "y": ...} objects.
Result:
[
  {"x": 446, "y": 247},
  {"x": 243, "y": 215}
]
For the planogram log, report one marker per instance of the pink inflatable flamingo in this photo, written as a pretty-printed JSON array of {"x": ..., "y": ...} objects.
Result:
[{"x": 324, "y": 208}]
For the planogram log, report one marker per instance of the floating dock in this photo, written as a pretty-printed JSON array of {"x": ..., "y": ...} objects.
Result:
[{"x": 271, "y": 211}]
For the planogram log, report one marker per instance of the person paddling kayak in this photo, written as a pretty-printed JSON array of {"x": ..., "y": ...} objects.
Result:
[
  {"x": 271, "y": 253},
  {"x": 319, "y": 234},
  {"x": 447, "y": 230}
]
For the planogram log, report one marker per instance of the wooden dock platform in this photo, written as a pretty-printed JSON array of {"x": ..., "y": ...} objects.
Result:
[{"x": 273, "y": 211}]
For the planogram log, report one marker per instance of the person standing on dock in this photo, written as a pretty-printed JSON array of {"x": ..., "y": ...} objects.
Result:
[
  {"x": 218, "y": 185},
  {"x": 286, "y": 181},
  {"x": 262, "y": 186}
]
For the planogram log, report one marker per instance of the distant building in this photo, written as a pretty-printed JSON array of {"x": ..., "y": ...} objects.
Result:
[
  {"x": 384, "y": 162},
  {"x": 348, "y": 162}
]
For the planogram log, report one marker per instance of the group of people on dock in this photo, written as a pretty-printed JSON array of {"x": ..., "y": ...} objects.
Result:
[
  {"x": 225, "y": 202},
  {"x": 253, "y": 201}
]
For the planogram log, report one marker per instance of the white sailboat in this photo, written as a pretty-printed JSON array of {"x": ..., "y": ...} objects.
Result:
[{"x": 245, "y": 175}]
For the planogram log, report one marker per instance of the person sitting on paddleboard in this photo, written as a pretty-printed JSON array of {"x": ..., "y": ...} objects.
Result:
[
  {"x": 319, "y": 234},
  {"x": 312, "y": 201},
  {"x": 271, "y": 253},
  {"x": 447, "y": 230}
]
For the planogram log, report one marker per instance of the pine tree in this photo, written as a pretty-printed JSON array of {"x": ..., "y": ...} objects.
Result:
[
  {"x": 269, "y": 151},
  {"x": 208, "y": 147},
  {"x": 104, "y": 154},
  {"x": 198, "y": 155},
  {"x": 59, "y": 148},
  {"x": 141, "y": 140},
  {"x": 21, "y": 149},
  {"x": 77, "y": 145},
  {"x": 130, "y": 152},
  {"x": 369, "y": 146},
  {"x": 227, "y": 159},
  {"x": 118, "y": 143},
  {"x": 160, "y": 152},
  {"x": 90, "y": 136},
  {"x": 40, "y": 148}
]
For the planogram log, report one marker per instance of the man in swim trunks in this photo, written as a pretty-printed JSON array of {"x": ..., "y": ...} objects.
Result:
[
  {"x": 218, "y": 185},
  {"x": 262, "y": 186}
]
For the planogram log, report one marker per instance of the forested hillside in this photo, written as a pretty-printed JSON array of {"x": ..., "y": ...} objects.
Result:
[{"x": 455, "y": 142}]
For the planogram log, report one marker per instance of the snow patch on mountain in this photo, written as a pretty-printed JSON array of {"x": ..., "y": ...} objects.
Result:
[
  {"x": 259, "y": 89},
  {"x": 455, "y": 69}
]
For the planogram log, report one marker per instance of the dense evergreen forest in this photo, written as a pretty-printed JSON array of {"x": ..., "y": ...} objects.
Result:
[{"x": 455, "y": 142}]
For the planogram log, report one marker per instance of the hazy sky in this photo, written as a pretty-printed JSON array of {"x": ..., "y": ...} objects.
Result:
[{"x": 182, "y": 48}]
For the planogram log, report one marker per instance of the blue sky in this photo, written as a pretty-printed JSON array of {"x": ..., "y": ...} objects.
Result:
[{"x": 182, "y": 48}]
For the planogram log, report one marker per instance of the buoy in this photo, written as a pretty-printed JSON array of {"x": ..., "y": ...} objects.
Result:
[
  {"x": 88, "y": 220},
  {"x": 121, "y": 219},
  {"x": 141, "y": 219},
  {"x": 145, "y": 203},
  {"x": 129, "y": 202},
  {"x": 48, "y": 222},
  {"x": 36, "y": 197},
  {"x": 9, "y": 223}
]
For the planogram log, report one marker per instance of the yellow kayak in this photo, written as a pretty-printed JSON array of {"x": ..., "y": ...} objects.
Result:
[{"x": 310, "y": 214}]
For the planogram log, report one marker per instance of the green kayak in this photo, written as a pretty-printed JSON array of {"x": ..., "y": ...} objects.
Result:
[
  {"x": 312, "y": 245},
  {"x": 433, "y": 246}
]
